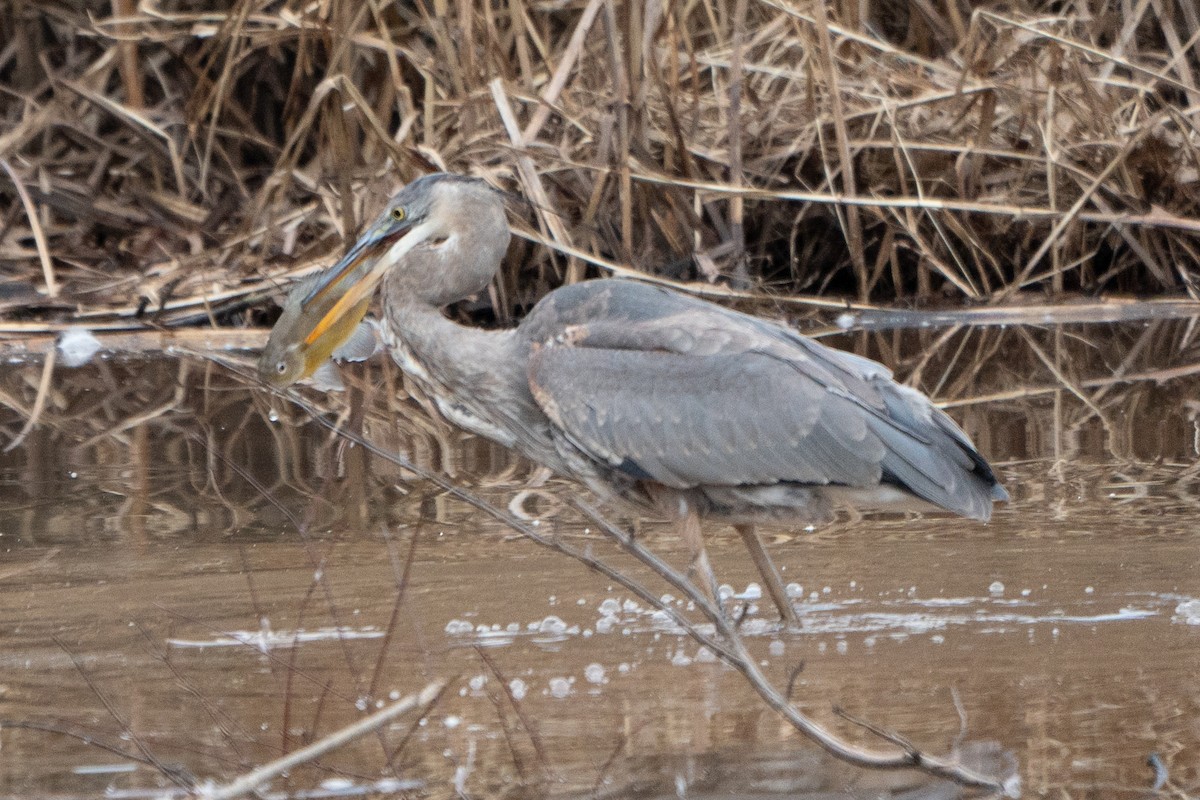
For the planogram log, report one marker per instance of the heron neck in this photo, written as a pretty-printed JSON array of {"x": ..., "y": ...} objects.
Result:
[{"x": 457, "y": 359}]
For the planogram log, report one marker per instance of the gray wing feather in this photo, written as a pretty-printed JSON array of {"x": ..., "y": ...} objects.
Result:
[
  {"x": 691, "y": 394},
  {"x": 687, "y": 421}
]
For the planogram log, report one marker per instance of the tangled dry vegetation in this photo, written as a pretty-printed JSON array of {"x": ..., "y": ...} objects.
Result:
[{"x": 169, "y": 164}]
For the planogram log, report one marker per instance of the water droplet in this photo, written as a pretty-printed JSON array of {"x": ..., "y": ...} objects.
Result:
[{"x": 681, "y": 659}]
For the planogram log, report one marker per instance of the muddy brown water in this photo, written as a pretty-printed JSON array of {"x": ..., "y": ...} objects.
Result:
[{"x": 197, "y": 575}]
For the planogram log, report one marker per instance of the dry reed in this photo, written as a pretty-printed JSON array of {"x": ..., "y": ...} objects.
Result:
[{"x": 179, "y": 164}]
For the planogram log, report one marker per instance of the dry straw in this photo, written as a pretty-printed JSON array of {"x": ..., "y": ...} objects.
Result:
[{"x": 179, "y": 165}]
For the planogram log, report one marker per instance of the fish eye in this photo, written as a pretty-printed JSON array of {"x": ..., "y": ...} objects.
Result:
[
  {"x": 281, "y": 367},
  {"x": 399, "y": 214}
]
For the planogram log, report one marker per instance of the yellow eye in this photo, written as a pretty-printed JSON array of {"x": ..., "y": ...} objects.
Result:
[{"x": 399, "y": 214}]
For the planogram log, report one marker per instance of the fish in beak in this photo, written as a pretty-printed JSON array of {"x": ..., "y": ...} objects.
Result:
[{"x": 322, "y": 313}]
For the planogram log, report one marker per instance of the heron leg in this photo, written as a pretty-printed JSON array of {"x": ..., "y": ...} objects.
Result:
[
  {"x": 770, "y": 575},
  {"x": 688, "y": 522}
]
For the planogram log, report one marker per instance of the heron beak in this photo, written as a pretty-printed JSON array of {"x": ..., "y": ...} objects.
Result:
[
  {"x": 351, "y": 282},
  {"x": 339, "y": 300}
]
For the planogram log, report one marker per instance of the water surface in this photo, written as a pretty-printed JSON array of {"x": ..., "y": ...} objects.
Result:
[{"x": 197, "y": 574}]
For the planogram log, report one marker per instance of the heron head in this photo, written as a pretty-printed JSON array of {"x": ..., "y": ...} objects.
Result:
[
  {"x": 447, "y": 232},
  {"x": 458, "y": 238}
]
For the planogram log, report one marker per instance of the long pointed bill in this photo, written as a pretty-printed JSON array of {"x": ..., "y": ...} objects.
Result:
[{"x": 353, "y": 279}]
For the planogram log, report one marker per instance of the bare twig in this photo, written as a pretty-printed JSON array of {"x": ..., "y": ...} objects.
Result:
[
  {"x": 734, "y": 653},
  {"x": 170, "y": 773},
  {"x": 39, "y": 403},
  {"x": 530, "y": 730},
  {"x": 35, "y": 226},
  {"x": 530, "y": 178},
  {"x": 252, "y": 780}
]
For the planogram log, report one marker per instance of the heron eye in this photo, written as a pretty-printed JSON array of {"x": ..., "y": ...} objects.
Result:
[{"x": 399, "y": 214}]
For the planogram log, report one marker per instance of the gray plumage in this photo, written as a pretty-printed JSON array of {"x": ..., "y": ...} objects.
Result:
[
  {"x": 653, "y": 397},
  {"x": 638, "y": 390},
  {"x": 669, "y": 388}
]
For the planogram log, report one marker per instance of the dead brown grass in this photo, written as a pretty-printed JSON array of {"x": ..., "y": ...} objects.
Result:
[{"x": 178, "y": 164}]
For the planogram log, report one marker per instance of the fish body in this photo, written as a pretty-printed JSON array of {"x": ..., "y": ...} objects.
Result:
[{"x": 298, "y": 346}]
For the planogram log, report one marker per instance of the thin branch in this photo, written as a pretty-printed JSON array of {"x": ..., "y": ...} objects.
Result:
[
  {"x": 39, "y": 403},
  {"x": 252, "y": 780},
  {"x": 174, "y": 775},
  {"x": 35, "y": 226}
]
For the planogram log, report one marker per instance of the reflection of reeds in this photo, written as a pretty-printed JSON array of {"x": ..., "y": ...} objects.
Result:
[
  {"x": 209, "y": 434},
  {"x": 1081, "y": 394},
  {"x": 179, "y": 165}
]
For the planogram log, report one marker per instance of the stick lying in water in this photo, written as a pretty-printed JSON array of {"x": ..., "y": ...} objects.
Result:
[{"x": 255, "y": 778}]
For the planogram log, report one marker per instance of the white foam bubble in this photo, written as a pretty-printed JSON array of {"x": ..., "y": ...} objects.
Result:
[
  {"x": 76, "y": 346},
  {"x": 1187, "y": 612}
]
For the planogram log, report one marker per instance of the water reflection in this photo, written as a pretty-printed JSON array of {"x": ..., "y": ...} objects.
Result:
[
  {"x": 746, "y": 773},
  {"x": 200, "y": 567}
]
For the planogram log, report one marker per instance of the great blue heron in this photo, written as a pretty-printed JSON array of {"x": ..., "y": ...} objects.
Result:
[{"x": 655, "y": 397}]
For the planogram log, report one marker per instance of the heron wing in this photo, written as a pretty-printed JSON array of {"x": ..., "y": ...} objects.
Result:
[
  {"x": 687, "y": 421},
  {"x": 687, "y": 393}
]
